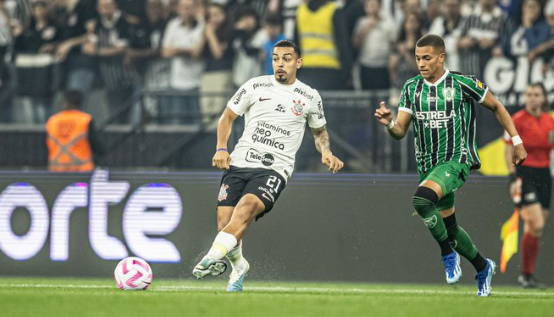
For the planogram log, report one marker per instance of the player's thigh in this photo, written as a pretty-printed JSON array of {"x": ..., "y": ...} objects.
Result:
[
  {"x": 248, "y": 208},
  {"x": 448, "y": 175},
  {"x": 267, "y": 186}
]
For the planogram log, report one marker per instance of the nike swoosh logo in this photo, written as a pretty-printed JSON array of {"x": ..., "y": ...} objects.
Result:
[{"x": 264, "y": 99}]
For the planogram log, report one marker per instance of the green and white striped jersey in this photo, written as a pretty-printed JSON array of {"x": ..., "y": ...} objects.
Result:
[{"x": 443, "y": 114}]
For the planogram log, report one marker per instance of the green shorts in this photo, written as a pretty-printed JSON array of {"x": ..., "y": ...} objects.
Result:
[{"x": 450, "y": 176}]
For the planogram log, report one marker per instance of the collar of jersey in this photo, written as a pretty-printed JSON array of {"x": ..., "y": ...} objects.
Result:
[
  {"x": 278, "y": 84},
  {"x": 446, "y": 72}
]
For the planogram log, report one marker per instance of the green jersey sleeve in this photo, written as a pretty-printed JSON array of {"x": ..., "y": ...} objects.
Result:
[
  {"x": 404, "y": 103},
  {"x": 473, "y": 87}
]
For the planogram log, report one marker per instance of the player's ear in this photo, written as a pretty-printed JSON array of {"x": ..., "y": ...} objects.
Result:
[{"x": 299, "y": 63}]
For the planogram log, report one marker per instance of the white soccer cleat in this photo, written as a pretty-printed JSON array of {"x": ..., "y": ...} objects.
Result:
[
  {"x": 237, "y": 278},
  {"x": 209, "y": 267}
]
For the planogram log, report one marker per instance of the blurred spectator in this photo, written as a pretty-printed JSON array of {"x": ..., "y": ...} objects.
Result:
[
  {"x": 109, "y": 43},
  {"x": 530, "y": 38},
  {"x": 79, "y": 69},
  {"x": 71, "y": 138},
  {"x": 19, "y": 10},
  {"x": 217, "y": 52},
  {"x": 234, "y": 7},
  {"x": 182, "y": 45},
  {"x": 549, "y": 12},
  {"x": 402, "y": 64},
  {"x": 248, "y": 42},
  {"x": 350, "y": 12},
  {"x": 7, "y": 85},
  {"x": 511, "y": 7},
  {"x": 325, "y": 45},
  {"x": 288, "y": 10},
  {"x": 480, "y": 33},
  {"x": 374, "y": 59},
  {"x": 145, "y": 53},
  {"x": 36, "y": 67},
  {"x": 432, "y": 11},
  {"x": 447, "y": 26},
  {"x": 274, "y": 28},
  {"x": 134, "y": 11}
]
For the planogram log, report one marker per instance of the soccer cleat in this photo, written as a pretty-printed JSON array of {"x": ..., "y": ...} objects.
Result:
[
  {"x": 237, "y": 278},
  {"x": 209, "y": 267},
  {"x": 484, "y": 279},
  {"x": 452, "y": 267},
  {"x": 529, "y": 281}
]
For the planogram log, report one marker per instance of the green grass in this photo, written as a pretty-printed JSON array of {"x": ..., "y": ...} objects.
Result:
[{"x": 88, "y": 297}]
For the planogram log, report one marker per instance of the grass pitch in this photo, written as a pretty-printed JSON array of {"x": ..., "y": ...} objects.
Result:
[{"x": 87, "y": 297}]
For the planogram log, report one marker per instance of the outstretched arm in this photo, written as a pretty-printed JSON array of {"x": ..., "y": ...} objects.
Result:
[
  {"x": 397, "y": 129},
  {"x": 519, "y": 154},
  {"x": 323, "y": 146},
  {"x": 221, "y": 157}
]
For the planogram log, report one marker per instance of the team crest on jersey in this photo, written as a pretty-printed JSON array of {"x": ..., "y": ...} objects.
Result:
[
  {"x": 449, "y": 94},
  {"x": 223, "y": 192},
  {"x": 298, "y": 108},
  {"x": 479, "y": 85}
]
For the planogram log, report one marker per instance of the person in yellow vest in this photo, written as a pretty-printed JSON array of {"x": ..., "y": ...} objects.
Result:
[
  {"x": 71, "y": 139},
  {"x": 325, "y": 45}
]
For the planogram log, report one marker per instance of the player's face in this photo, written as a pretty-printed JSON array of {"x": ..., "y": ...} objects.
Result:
[
  {"x": 430, "y": 63},
  {"x": 285, "y": 64},
  {"x": 534, "y": 99}
]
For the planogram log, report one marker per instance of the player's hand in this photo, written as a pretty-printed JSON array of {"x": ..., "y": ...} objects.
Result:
[
  {"x": 515, "y": 189},
  {"x": 331, "y": 161},
  {"x": 221, "y": 160},
  {"x": 519, "y": 154},
  {"x": 383, "y": 115}
]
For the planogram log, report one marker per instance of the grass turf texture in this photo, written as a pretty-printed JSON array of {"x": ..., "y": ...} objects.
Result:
[{"x": 88, "y": 297}]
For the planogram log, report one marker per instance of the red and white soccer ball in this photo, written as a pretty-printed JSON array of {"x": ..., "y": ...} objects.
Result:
[{"x": 133, "y": 273}]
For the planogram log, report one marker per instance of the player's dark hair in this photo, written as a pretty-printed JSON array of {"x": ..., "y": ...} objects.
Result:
[
  {"x": 288, "y": 43},
  {"x": 72, "y": 99},
  {"x": 545, "y": 106},
  {"x": 432, "y": 40}
]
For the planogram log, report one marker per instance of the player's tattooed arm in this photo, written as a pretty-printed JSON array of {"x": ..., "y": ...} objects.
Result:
[
  {"x": 323, "y": 146},
  {"x": 321, "y": 138}
]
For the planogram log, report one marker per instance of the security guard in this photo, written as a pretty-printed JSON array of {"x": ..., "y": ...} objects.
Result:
[{"x": 71, "y": 138}]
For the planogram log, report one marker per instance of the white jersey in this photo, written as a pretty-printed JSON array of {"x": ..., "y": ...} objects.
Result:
[{"x": 275, "y": 120}]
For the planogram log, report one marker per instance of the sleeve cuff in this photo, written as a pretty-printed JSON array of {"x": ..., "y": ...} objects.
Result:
[
  {"x": 484, "y": 95},
  {"x": 406, "y": 110}
]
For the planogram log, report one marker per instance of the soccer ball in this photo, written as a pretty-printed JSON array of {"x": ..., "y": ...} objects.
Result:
[{"x": 133, "y": 273}]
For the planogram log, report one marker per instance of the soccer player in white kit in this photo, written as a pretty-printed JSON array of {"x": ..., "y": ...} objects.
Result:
[{"x": 276, "y": 109}]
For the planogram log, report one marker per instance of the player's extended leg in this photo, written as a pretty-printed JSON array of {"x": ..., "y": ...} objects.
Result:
[
  {"x": 246, "y": 210},
  {"x": 425, "y": 202},
  {"x": 534, "y": 219}
]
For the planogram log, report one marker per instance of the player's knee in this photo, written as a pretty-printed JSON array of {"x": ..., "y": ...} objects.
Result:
[{"x": 423, "y": 199}]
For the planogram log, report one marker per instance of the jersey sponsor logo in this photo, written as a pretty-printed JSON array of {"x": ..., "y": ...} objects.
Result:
[
  {"x": 254, "y": 156},
  {"x": 259, "y": 85},
  {"x": 298, "y": 108},
  {"x": 430, "y": 222},
  {"x": 435, "y": 119},
  {"x": 238, "y": 96},
  {"x": 269, "y": 128},
  {"x": 320, "y": 110},
  {"x": 448, "y": 94},
  {"x": 304, "y": 93},
  {"x": 264, "y": 99},
  {"x": 223, "y": 192},
  {"x": 280, "y": 108}
]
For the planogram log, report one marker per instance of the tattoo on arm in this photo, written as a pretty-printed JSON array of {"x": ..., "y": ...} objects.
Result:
[{"x": 321, "y": 138}]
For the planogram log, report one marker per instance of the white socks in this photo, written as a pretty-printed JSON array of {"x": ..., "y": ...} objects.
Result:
[
  {"x": 223, "y": 243},
  {"x": 235, "y": 257}
]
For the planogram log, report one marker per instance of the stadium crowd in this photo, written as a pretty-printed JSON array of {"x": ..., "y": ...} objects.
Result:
[{"x": 192, "y": 48}]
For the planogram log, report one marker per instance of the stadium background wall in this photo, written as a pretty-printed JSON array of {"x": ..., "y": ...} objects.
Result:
[{"x": 346, "y": 227}]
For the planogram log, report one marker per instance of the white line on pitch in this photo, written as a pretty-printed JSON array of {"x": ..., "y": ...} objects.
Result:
[{"x": 280, "y": 289}]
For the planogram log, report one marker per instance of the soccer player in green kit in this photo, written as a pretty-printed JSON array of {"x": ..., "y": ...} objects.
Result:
[{"x": 441, "y": 105}]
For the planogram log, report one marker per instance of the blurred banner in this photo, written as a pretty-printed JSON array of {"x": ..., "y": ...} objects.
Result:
[{"x": 346, "y": 227}]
